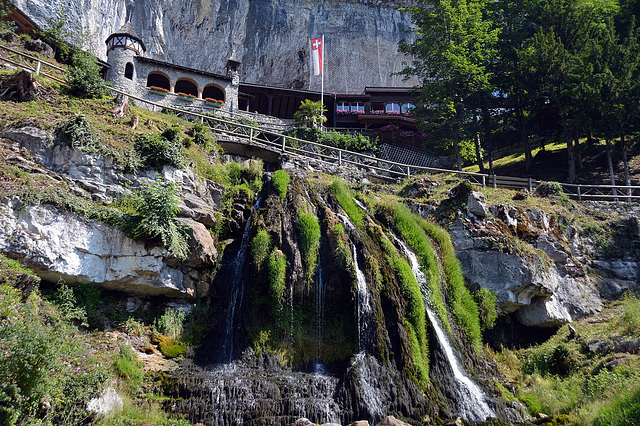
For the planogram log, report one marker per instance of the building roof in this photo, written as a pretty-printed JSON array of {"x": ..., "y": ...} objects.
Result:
[
  {"x": 24, "y": 23},
  {"x": 128, "y": 31},
  {"x": 181, "y": 68},
  {"x": 281, "y": 89}
]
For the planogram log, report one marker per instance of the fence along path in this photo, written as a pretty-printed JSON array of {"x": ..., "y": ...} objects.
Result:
[{"x": 243, "y": 133}]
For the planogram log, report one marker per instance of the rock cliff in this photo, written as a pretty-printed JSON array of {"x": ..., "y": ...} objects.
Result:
[{"x": 270, "y": 37}]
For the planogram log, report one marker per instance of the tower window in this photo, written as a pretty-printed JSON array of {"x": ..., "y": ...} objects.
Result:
[{"x": 128, "y": 71}]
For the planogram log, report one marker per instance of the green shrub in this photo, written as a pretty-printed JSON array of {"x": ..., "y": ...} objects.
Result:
[
  {"x": 557, "y": 360},
  {"x": 156, "y": 206},
  {"x": 487, "y": 302},
  {"x": 88, "y": 296},
  {"x": 531, "y": 402},
  {"x": 351, "y": 142},
  {"x": 260, "y": 246},
  {"x": 202, "y": 136},
  {"x": 309, "y": 231},
  {"x": 196, "y": 325},
  {"x": 280, "y": 180},
  {"x": 171, "y": 323},
  {"x": 43, "y": 356},
  {"x": 129, "y": 367},
  {"x": 277, "y": 278},
  {"x": 345, "y": 198},
  {"x": 84, "y": 77},
  {"x": 160, "y": 149},
  {"x": 66, "y": 301},
  {"x": 76, "y": 132}
]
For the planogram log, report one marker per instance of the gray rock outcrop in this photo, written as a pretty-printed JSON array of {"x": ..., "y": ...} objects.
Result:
[
  {"x": 61, "y": 245},
  {"x": 270, "y": 38},
  {"x": 546, "y": 288},
  {"x": 109, "y": 402}
]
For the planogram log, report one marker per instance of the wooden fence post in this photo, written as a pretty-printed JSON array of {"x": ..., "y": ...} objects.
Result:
[
  {"x": 530, "y": 184},
  {"x": 339, "y": 158},
  {"x": 484, "y": 181},
  {"x": 38, "y": 67},
  {"x": 284, "y": 142},
  {"x": 251, "y": 135},
  {"x": 579, "y": 195},
  {"x": 408, "y": 172},
  {"x": 495, "y": 182}
]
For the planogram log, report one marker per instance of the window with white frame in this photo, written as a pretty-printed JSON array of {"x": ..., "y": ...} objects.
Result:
[
  {"x": 357, "y": 106},
  {"x": 342, "y": 106},
  {"x": 391, "y": 107},
  {"x": 407, "y": 107}
]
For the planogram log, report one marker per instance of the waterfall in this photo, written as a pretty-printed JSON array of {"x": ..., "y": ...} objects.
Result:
[
  {"x": 364, "y": 298},
  {"x": 237, "y": 289},
  {"x": 362, "y": 206},
  {"x": 364, "y": 302},
  {"x": 321, "y": 289},
  {"x": 470, "y": 398}
]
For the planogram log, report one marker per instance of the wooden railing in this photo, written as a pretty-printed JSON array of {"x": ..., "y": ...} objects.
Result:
[
  {"x": 32, "y": 63},
  {"x": 242, "y": 133}
]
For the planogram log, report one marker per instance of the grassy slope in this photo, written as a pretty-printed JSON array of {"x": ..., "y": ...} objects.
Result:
[{"x": 550, "y": 163}]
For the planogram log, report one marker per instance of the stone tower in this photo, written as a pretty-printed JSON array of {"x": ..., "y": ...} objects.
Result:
[{"x": 122, "y": 47}]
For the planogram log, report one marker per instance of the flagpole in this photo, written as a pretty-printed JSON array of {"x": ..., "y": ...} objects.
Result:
[{"x": 322, "y": 84}]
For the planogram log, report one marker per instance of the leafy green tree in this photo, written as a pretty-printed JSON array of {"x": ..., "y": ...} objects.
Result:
[
  {"x": 454, "y": 46},
  {"x": 310, "y": 114},
  {"x": 84, "y": 77}
]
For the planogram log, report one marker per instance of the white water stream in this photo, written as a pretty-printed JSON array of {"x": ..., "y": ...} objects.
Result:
[
  {"x": 470, "y": 398},
  {"x": 237, "y": 289}
]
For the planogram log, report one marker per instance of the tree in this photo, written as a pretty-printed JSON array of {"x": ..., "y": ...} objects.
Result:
[
  {"x": 454, "y": 46},
  {"x": 310, "y": 114},
  {"x": 84, "y": 78}
]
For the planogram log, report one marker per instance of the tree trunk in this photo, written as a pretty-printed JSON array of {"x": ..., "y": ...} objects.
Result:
[
  {"x": 457, "y": 149},
  {"x": 528, "y": 158},
  {"x": 625, "y": 162},
  {"x": 479, "y": 153},
  {"x": 488, "y": 140},
  {"x": 577, "y": 146},
  {"x": 570, "y": 156},
  {"x": 611, "y": 173}
]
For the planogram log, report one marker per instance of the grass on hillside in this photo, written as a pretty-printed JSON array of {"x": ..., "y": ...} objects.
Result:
[{"x": 563, "y": 377}]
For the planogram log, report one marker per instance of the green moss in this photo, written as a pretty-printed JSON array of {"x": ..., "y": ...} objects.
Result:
[
  {"x": 415, "y": 320},
  {"x": 463, "y": 306},
  {"x": 345, "y": 198},
  {"x": 487, "y": 307},
  {"x": 410, "y": 229},
  {"x": 260, "y": 246},
  {"x": 280, "y": 180},
  {"x": 309, "y": 231},
  {"x": 277, "y": 278},
  {"x": 129, "y": 367}
]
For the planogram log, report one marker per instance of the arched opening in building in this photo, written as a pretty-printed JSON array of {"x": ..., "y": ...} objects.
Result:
[
  {"x": 186, "y": 86},
  {"x": 213, "y": 92},
  {"x": 128, "y": 71},
  {"x": 157, "y": 79}
]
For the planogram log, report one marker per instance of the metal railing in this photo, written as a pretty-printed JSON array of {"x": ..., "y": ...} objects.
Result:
[{"x": 277, "y": 141}]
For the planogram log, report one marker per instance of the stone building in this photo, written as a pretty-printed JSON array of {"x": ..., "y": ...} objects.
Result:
[{"x": 165, "y": 83}]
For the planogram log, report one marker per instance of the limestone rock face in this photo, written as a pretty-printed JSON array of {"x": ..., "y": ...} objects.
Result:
[
  {"x": 61, "y": 245},
  {"x": 541, "y": 293},
  {"x": 270, "y": 37}
]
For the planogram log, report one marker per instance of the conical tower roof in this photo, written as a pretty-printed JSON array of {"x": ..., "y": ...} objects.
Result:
[{"x": 127, "y": 30}]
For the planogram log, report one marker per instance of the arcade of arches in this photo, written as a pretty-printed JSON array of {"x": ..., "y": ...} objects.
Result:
[{"x": 183, "y": 85}]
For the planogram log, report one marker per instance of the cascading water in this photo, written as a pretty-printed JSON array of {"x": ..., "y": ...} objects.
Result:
[
  {"x": 321, "y": 289},
  {"x": 471, "y": 400},
  {"x": 364, "y": 302},
  {"x": 237, "y": 289},
  {"x": 364, "y": 298}
]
